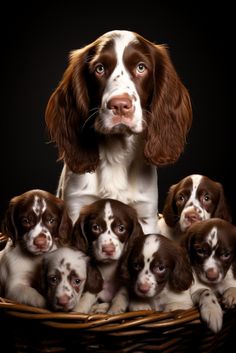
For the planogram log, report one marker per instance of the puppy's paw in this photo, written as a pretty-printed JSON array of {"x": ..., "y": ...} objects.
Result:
[
  {"x": 211, "y": 311},
  {"x": 229, "y": 298},
  {"x": 116, "y": 309},
  {"x": 100, "y": 308},
  {"x": 135, "y": 306}
]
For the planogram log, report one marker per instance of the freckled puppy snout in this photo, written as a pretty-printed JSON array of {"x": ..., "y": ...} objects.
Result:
[
  {"x": 192, "y": 216},
  {"x": 108, "y": 249},
  {"x": 120, "y": 105},
  {"x": 212, "y": 274},
  {"x": 40, "y": 241},
  {"x": 144, "y": 287},
  {"x": 63, "y": 300}
]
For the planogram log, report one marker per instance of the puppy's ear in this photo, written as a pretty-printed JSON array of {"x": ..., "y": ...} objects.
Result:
[
  {"x": 65, "y": 228},
  {"x": 94, "y": 281},
  {"x": 170, "y": 212},
  {"x": 181, "y": 277},
  {"x": 222, "y": 210},
  {"x": 8, "y": 224},
  {"x": 79, "y": 239}
]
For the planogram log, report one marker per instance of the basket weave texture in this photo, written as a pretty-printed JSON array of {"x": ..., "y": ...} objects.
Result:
[{"x": 25, "y": 329}]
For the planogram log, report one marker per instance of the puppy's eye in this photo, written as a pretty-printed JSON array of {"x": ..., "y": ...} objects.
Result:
[
  {"x": 96, "y": 228},
  {"x": 137, "y": 266},
  {"x": 180, "y": 199},
  {"x": 201, "y": 252},
  {"x": 206, "y": 198},
  {"x": 51, "y": 220},
  {"x": 225, "y": 255},
  {"x": 141, "y": 68},
  {"x": 160, "y": 269},
  {"x": 25, "y": 221},
  {"x": 53, "y": 280},
  {"x": 99, "y": 70},
  {"x": 120, "y": 229},
  {"x": 76, "y": 282}
]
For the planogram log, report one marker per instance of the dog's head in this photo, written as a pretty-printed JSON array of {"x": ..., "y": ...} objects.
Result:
[
  {"x": 211, "y": 245},
  {"x": 38, "y": 221}
]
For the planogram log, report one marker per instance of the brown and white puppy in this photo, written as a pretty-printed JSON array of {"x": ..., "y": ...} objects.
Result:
[
  {"x": 211, "y": 245},
  {"x": 157, "y": 274},
  {"x": 193, "y": 199},
  {"x": 37, "y": 222},
  {"x": 103, "y": 231},
  {"x": 64, "y": 274}
]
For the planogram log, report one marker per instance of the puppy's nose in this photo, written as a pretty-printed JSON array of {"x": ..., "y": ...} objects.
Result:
[
  {"x": 108, "y": 249},
  {"x": 144, "y": 287},
  {"x": 192, "y": 217},
  {"x": 63, "y": 300},
  {"x": 212, "y": 274},
  {"x": 120, "y": 105},
  {"x": 40, "y": 241}
]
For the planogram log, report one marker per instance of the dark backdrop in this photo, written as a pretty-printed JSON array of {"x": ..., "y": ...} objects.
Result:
[{"x": 36, "y": 40}]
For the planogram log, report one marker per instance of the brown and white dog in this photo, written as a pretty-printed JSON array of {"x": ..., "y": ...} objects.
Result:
[
  {"x": 119, "y": 111},
  {"x": 157, "y": 275},
  {"x": 64, "y": 274},
  {"x": 37, "y": 222},
  {"x": 193, "y": 199},
  {"x": 103, "y": 231},
  {"x": 211, "y": 245}
]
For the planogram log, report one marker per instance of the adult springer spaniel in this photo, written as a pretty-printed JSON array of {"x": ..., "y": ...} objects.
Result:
[
  {"x": 194, "y": 198},
  {"x": 119, "y": 111}
]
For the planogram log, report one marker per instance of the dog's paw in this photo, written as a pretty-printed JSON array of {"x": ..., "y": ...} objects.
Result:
[
  {"x": 116, "y": 309},
  {"x": 139, "y": 306},
  {"x": 211, "y": 311},
  {"x": 229, "y": 298},
  {"x": 100, "y": 308}
]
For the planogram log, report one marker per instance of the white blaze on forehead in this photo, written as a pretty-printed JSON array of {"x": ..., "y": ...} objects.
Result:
[
  {"x": 196, "y": 179},
  {"x": 212, "y": 237},
  {"x": 39, "y": 205},
  {"x": 108, "y": 214},
  {"x": 151, "y": 245}
]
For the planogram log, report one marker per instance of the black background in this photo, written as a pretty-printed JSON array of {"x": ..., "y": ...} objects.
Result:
[{"x": 36, "y": 41}]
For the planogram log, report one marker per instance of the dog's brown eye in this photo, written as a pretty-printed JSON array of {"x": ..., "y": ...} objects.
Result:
[
  {"x": 120, "y": 228},
  {"x": 201, "y": 252},
  {"x": 99, "y": 69},
  {"x": 76, "y": 281},
  {"x": 206, "y": 198},
  {"x": 141, "y": 68},
  {"x": 51, "y": 220},
  {"x": 53, "y": 280},
  {"x": 25, "y": 221},
  {"x": 180, "y": 199},
  {"x": 160, "y": 269},
  {"x": 137, "y": 266},
  {"x": 96, "y": 228},
  {"x": 225, "y": 256}
]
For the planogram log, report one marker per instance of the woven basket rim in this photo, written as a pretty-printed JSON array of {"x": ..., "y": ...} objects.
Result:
[{"x": 143, "y": 319}]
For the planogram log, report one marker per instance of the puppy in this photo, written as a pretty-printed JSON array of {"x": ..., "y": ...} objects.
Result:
[
  {"x": 64, "y": 274},
  {"x": 193, "y": 199},
  {"x": 36, "y": 222},
  {"x": 211, "y": 246},
  {"x": 157, "y": 274},
  {"x": 103, "y": 231}
]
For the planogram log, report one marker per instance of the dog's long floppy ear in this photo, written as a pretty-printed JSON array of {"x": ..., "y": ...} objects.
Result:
[
  {"x": 8, "y": 224},
  {"x": 181, "y": 277},
  {"x": 171, "y": 112},
  {"x": 170, "y": 212},
  {"x": 79, "y": 239},
  {"x": 67, "y": 114},
  {"x": 222, "y": 210}
]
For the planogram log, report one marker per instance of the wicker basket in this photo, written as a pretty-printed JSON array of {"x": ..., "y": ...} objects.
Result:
[{"x": 26, "y": 329}]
